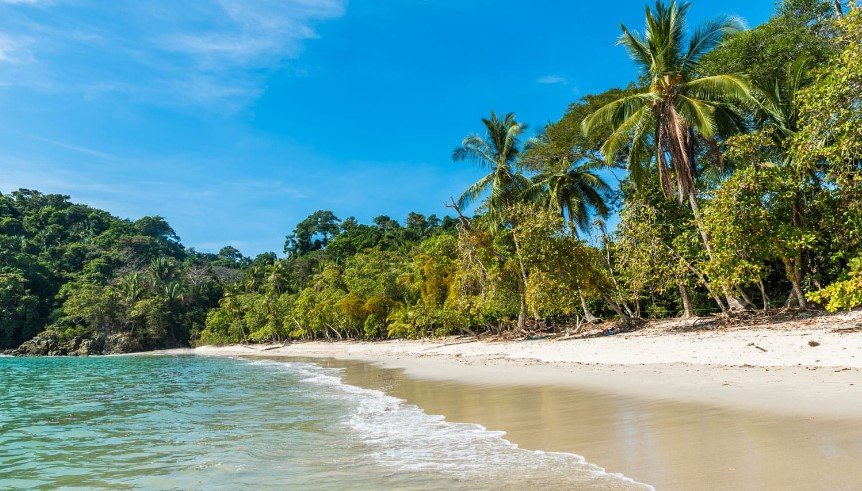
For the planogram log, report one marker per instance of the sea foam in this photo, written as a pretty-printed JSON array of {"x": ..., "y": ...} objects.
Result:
[{"x": 401, "y": 436}]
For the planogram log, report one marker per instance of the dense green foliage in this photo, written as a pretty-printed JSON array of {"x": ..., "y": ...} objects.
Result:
[
  {"x": 81, "y": 272},
  {"x": 739, "y": 160}
]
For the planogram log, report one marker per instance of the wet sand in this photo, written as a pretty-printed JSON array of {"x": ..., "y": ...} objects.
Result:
[
  {"x": 668, "y": 444},
  {"x": 676, "y": 405}
]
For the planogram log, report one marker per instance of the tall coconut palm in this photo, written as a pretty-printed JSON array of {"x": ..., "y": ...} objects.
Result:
[
  {"x": 498, "y": 151},
  {"x": 678, "y": 103}
]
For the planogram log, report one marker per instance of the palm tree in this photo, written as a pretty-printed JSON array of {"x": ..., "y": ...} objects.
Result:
[
  {"x": 503, "y": 186},
  {"x": 781, "y": 106},
  {"x": 574, "y": 191},
  {"x": 677, "y": 105},
  {"x": 277, "y": 277},
  {"x": 162, "y": 270},
  {"x": 132, "y": 287},
  {"x": 174, "y": 292},
  {"x": 498, "y": 151}
]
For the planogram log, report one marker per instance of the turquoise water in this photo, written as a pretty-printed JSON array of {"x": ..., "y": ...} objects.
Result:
[{"x": 215, "y": 423}]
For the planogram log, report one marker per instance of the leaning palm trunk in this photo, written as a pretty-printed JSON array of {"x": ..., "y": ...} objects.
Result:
[
  {"x": 680, "y": 146},
  {"x": 676, "y": 105}
]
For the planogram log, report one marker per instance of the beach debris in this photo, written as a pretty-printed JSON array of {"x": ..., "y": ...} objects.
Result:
[
  {"x": 847, "y": 330},
  {"x": 758, "y": 347},
  {"x": 813, "y": 343}
]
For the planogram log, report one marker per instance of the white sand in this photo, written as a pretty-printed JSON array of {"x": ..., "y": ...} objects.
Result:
[{"x": 670, "y": 360}]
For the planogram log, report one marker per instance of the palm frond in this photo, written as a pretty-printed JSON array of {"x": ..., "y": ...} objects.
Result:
[
  {"x": 615, "y": 113},
  {"x": 697, "y": 114},
  {"x": 621, "y": 135},
  {"x": 708, "y": 36},
  {"x": 476, "y": 150},
  {"x": 638, "y": 51},
  {"x": 721, "y": 88},
  {"x": 476, "y": 190}
]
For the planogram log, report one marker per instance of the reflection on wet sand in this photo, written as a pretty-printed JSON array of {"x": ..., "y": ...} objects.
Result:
[{"x": 665, "y": 443}]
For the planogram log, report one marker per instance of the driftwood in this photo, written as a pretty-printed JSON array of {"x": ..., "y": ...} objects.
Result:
[
  {"x": 468, "y": 341},
  {"x": 758, "y": 347}
]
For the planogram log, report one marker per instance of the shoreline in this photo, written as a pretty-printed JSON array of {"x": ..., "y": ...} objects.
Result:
[
  {"x": 770, "y": 368},
  {"x": 665, "y": 444},
  {"x": 673, "y": 408}
]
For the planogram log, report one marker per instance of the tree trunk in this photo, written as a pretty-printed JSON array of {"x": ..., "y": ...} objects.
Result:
[
  {"x": 700, "y": 276},
  {"x": 588, "y": 316},
  {"x": 791, "y": 299},
  {"x": 839, "y": 9},
  {"x": 763, "y": 294},
  {"x": 615, "y": 306},
  {"x": 522, "y": 315},
  {"x": 797, "y": 283},
  {"x": 749, "y": 303},
  {"x": 687, "y": 311},
  {"x": 682, "y": 160},
  {"x": 794, "y": 274}
]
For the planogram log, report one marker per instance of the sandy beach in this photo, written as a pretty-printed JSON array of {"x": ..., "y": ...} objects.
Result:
[
  {"x": 677, "y": 405},
  {"x": 807, "y": 367}
]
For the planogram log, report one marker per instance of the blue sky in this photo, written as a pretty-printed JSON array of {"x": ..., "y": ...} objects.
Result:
[{"x": 235, "y": 119}]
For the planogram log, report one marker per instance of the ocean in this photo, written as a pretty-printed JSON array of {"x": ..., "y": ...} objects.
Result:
[{"x": 190, "y": 422}]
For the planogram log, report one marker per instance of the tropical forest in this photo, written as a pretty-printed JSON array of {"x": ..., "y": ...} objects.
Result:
[{"x": 724, "y": 180}]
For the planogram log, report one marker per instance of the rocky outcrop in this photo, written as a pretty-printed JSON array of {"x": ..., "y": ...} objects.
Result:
[
  {"x": 122, "y": 343},
  {"x": 50, "y": 343},
  {"x": 47, "y": 343}
]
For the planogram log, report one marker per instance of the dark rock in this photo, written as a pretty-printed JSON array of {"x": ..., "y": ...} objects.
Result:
[
  {"x": 45, "y": 343},
  {"x": 121, "y": 343},
  {"x": 48, "y": 343},
  {"x": 81, "y": 346}
]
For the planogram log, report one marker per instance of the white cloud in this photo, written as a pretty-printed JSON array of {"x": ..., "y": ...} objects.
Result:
[
  {"x": 254, "y": 32},
  {"x": 177, "y": 52},
  {"x": 14, "y": 50},
  {"x": 552, "y": 80}
]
